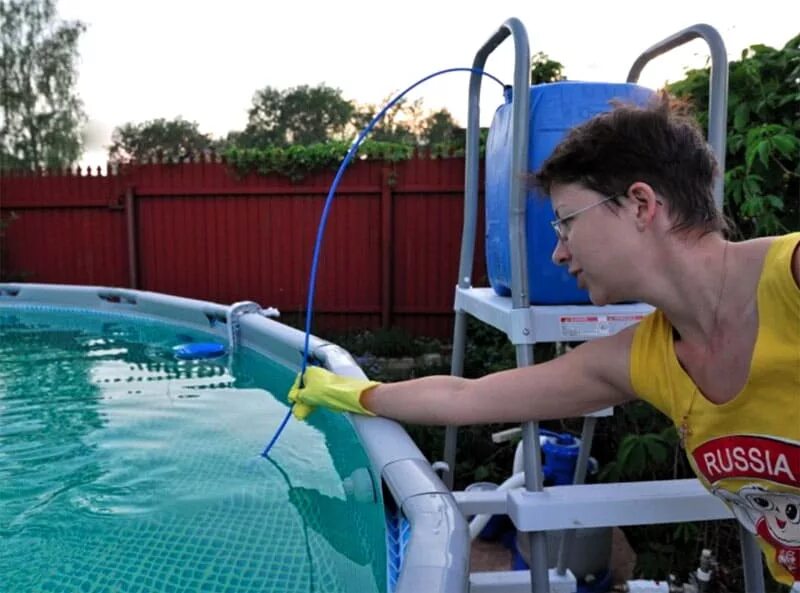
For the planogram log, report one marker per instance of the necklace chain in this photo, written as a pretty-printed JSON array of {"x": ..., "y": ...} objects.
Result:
[{"x": 685, "y": 430}]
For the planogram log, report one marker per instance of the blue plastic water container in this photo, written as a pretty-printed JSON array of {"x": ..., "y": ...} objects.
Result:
[{"x": 555, "y": 108}]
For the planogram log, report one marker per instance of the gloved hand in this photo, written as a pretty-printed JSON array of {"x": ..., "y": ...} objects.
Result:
[{"x": 323, "y": 388}]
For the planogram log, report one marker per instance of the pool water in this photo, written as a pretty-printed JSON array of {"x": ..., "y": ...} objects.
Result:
[{"x": 123, "y": 469}]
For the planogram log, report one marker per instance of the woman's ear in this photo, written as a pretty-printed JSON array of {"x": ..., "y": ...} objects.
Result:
[{"x": 644, "y": 202}]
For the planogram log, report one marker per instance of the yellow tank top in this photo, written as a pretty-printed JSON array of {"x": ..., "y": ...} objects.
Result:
[{"x": 747, "y": 450}]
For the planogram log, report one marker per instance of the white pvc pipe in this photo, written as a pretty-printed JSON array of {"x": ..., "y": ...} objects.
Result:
[{"x": 479, "y": 521}]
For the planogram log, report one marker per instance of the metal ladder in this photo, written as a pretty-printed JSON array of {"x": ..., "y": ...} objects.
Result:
[{"x": 536, "y": 509}]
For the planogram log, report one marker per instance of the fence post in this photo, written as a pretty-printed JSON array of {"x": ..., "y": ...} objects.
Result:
[
  {"x": 133, "y": 253},
  {"x": 388, "y": 180}
]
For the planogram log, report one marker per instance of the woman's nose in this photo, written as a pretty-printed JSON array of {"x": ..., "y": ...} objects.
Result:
[{"x": 561, "y": 254}]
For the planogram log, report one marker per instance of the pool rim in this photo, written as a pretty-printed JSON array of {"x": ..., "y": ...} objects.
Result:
[{"x": 436, "y": 557}]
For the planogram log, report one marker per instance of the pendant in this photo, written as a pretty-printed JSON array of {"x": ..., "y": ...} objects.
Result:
[{"x": 684, "y": 431}]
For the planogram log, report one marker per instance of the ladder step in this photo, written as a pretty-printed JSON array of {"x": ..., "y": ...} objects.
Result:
[
  {"x": 518, "y": 581},
  {"x": 598, "y": 505},
  {"x": 547, "y": 323}
]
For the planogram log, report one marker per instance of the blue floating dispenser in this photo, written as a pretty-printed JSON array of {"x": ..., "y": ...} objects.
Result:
[
  {"x": 198, "y": 350},
  {"x": 555, "y": 108}
]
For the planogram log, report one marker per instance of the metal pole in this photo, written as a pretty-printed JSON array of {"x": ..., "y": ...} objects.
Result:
[
  {"x": 568, "y": 536},
  {"x": 751, "y": 557},
  {"x": 520, "y": 299}
]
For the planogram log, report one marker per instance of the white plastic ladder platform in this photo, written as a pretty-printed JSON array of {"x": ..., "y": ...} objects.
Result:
[{"x": 536, "y": 509}]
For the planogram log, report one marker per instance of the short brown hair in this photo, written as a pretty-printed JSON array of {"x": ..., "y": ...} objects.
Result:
[{"x": 661, "y": 145}]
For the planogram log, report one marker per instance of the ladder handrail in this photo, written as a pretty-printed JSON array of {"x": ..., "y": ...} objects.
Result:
[
  {"x": 517, "y": 236},
  {"x": 717, "y": 89}
]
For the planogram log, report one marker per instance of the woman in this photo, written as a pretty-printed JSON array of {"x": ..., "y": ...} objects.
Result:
[{"x": 636, "y": 221}]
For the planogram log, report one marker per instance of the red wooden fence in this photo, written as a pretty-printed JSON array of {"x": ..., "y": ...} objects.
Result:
[{"x": 389, "y": 258}]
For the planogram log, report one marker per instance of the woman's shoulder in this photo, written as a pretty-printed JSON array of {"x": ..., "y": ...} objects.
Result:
[
  {"x": 760, "y": 254},
  {"x": 756, "y": 250},
  {"x": 764, "y": 243}
]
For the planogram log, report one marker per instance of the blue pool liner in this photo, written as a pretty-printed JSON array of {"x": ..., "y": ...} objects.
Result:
[{"x": 398, "y": 533}]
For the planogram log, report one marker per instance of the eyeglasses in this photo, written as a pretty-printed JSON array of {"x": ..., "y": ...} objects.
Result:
[{"x": 559, "y": 224}]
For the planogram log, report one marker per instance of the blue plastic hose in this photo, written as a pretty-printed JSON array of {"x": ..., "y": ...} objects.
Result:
[{"x": 312, "y": 281}]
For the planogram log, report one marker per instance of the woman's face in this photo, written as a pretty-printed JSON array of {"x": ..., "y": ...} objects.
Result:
[{"x": 591, "y": 239}]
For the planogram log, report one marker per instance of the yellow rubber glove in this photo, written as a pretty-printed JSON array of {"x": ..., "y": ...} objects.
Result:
[{"x": 323, "y": 388}]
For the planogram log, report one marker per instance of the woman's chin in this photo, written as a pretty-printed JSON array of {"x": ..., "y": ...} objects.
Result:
[
  {"x": 598, "y": 298},
  {"x": 596, "y": 302}
]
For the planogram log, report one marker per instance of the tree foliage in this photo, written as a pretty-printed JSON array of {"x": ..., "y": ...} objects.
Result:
[
  {"x": 41, "y": 115},
  {"x": 762, "y": 168},
  {"x": 299, "y": 115},
  {"x": 543, "y": 69},
  {"x": 407, "y": 122},
  {"x": 158, "y": 139},
  {"x": 282, "y": 121},
  {"x": 440, "y": 128},
  {"x": 399, "y": 124},
  {"x": 305, "y": 115}
]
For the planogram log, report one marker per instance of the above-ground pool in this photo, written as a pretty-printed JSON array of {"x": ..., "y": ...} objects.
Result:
[{"x": 124, "y": 468}]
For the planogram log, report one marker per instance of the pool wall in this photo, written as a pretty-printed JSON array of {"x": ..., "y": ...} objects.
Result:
[{"x": 436, "y": 556}]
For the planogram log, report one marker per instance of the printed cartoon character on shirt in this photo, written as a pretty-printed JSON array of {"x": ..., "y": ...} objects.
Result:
[
  {"x": 759, "y": 477},
  {"x": 775, "y": 517}
]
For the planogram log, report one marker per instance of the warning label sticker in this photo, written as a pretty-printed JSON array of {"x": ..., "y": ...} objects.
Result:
[{"x": 583, "y": 327}]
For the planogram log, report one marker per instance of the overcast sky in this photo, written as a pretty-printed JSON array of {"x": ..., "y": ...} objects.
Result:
[{"x": 203, "y": 60}]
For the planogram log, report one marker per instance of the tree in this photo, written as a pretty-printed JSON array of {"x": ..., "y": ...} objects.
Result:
[
  {"x": 406, "y": 123},
  {"x": 40, "y": 113},
  {"x": 315, "y": 114},
  {"x": 158, "y": 139},
  {"x": 400, "y": 123},
  {"x": 543, "y": 69},
  {"x": 299, "y": 115},
  {"x": 263, "y": 125},
  {"x": 440, "y": 128},
  {"x": 762, "y": 193}
]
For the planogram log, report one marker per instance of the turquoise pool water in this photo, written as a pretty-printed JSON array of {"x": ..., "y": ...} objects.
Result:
[{"x": 123, "y": 469}]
